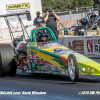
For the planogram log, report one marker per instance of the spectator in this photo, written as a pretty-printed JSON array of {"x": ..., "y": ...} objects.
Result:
[
  {"x": 93, "y": 15},
  {"x": 38, "y": 20},
  {"x": 50, "y": 20},
  {"x": 85, "y": 20}
]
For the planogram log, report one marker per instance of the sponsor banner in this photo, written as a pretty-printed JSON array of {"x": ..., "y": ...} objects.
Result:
[
  {"x": 74, "y": 43},
  {"x": 93, "y": 45},
  {"x": 77, "y": 45},
  {"x": 86, "y": 45}
]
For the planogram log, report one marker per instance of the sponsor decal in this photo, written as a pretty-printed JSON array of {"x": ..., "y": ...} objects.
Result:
[
  {"x": 45, "y": 60},
  {"x": 89, "y": 45},
  {"x": 45, "y": 64},
  {"x": 30, "y": 56},
  {"x": 32, "y": 53},
  {"x": 25, "y": 68},
  {"x": 40, "y": 63},
  {"x": 56, "y": 69},
  {"x": 18, "y": 6},
  {"x": 29, "y": 71},
  {"x": 33, "y": 64},
  {"x": 35, "y": 53},
  {"x": 29, "y": 66},
  {"x": 31, "y": 61},
  {"x": 46, "y": 68},
  {"x": 34, "y": 57},
  {"x": 97, "y": 45},
  {"x": 38, "y": 58},
  {"x": 35, "y": 61},
  {"x": 43, "y": 67},
  {"x": 39, "y": 67}
]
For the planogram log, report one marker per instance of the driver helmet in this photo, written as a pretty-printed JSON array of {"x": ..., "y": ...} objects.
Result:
[{"x": 42, "y": 36}]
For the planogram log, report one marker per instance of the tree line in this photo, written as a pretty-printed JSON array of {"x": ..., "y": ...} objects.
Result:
[{"x": 66, "y": 5}]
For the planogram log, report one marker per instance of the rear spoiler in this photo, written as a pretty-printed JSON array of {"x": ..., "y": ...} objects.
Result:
[{"x": 18, "y": 14}]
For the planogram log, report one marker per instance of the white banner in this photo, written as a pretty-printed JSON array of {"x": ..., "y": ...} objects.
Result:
[{"x": 87, "y": 45}]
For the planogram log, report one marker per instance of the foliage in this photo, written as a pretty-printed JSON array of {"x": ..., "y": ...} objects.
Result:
[
  {"x": 85, "y": 3},
  {"x": 96, "y": 3},
  {"x": 65, "y": 5},
  {"x": 58, "y": 5}
]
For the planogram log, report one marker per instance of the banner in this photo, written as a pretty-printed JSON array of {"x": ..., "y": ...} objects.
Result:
[
  {"x": 73, "y": 42},
  {"x": 18, "y": 6},
  {"x": 86, "y": 45},
  {"x": 93, "y": 45}
]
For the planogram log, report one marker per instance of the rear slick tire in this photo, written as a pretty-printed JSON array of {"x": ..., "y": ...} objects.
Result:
[{"x": 6, "y": 55}]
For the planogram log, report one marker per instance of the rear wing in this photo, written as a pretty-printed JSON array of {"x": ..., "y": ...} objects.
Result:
[
  {"x": 19, "y": 20},
  {"x": 18, "y": 14}
]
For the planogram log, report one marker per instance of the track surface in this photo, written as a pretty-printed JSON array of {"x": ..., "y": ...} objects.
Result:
[{"x": 57, "y": 87}]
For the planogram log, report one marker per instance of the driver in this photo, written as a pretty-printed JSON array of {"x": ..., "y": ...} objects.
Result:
[
  {"x": 42, "y": 39},
  {"x": 42, "y": 36}
]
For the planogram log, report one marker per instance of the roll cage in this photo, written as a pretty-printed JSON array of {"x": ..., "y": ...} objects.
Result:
[{"x": 34, "y": 32}]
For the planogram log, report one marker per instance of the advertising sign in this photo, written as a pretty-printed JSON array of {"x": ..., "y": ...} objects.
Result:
[
  {"x": 74, "y": 43},
  {"x": 86, "y": 45},
  {"x": 97, "y": 45},
  {"x": 77, "y": 45},
  {"x": 18, "y": 6}
]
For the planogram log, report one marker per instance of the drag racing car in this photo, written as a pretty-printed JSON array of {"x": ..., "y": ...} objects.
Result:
[
  {"x": 49, "y": 57},
  {"x": 46, "y": 55}
]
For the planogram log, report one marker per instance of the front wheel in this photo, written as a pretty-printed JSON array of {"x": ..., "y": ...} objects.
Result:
[{"x": 73, "y": 68}]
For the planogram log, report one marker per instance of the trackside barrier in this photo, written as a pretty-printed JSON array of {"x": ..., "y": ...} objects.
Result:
[
  {"x": 66, "y": 24},
  {"x": 86, "y": 45}
]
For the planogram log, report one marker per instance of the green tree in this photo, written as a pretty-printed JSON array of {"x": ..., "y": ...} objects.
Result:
[
  {"x": 65, "y": 5},
  {"x": 48, "y": 3},
  {"x": 96, "y": 3},
  {"x": 57, "y": 5},
  {"x": 74, "y": 4},
  {"x": 84, "y": 3}
]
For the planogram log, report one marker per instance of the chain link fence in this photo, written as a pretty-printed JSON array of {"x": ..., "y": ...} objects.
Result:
[{"x": 74, "y": 15}]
